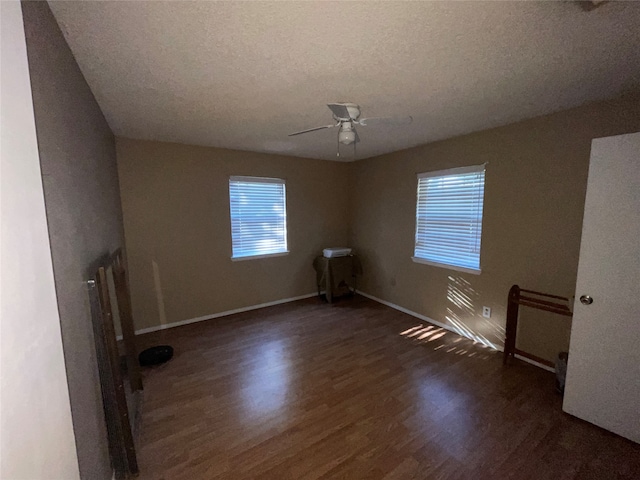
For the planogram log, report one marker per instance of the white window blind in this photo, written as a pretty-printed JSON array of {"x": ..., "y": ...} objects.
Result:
[
  {"x": 449, "y": 218},
  {"x": 258, "y": 216}
]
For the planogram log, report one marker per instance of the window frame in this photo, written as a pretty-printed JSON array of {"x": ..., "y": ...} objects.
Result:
[
  {"x": 447, "y": 173},
  {"x": 262, "y": 180}
]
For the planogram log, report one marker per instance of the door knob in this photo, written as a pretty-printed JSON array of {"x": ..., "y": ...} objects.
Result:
[{"x": 586, "y": 300}]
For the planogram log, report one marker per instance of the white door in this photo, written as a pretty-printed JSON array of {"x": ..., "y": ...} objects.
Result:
[{"x": 603, "y": 376}]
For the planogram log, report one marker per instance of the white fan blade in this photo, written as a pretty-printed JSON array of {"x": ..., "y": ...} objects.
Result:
[
  {"x": 340, "y": 111},
  {"x": 386, "y": 121},
  {"x": 311, "y": 130}
]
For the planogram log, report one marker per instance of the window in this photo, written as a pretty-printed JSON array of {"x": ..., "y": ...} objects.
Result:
[
  {"x": 449, "y": 218},
  {"x": 258, "y": 217}
]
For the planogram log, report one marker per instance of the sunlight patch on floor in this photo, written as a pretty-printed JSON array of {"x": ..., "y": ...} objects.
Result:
[{"x": 426, "y": 335}]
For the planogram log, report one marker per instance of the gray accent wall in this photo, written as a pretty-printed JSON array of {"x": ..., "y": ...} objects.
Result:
[{"x": 80, "y": 179}]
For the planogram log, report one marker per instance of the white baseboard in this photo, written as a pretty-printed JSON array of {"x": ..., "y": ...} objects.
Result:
[
  {"x": 448, "y": 327},
  {"x": 155, "y": 328},
  {"x": 533, "y": 362},
  {"x": 407, "y": 311},
  {"x": 309, "y": 295}
]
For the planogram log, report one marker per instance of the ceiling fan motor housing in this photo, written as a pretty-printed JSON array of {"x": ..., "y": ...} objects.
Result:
[{"x": 352, "y": 109}]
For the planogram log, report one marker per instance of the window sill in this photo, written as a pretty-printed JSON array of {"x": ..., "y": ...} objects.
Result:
[
  {"x": 473, "y": 271},
  {"x": 256, "y": 257}
]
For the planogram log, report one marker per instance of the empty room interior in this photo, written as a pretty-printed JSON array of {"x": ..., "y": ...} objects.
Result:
[{"x": 320, "y": 240}]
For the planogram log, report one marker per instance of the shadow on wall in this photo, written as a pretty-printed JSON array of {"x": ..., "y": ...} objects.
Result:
[{"x": 464, "y": 315}]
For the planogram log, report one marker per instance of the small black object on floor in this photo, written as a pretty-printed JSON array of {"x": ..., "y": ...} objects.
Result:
[{"x": 155, "y": 355}]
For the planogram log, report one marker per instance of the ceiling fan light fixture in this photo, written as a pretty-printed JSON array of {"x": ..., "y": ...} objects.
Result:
[
  {"x": 346, "y": 116},
  {"x": 347, "y": 137}
]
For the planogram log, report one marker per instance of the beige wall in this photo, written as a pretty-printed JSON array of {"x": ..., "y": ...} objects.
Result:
[
  {"x": 175, "y": 201},
  {"x": 534, "y": 199},
  {"x": 36, "y": 438},
  {"x": 176, "y": 212},
  {"x": 80, "y": 180}
]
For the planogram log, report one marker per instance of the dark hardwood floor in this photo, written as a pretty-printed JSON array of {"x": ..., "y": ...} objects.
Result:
[{"x": 356, "y": 390}]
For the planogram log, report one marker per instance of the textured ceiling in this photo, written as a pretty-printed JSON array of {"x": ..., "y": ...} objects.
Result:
[{"x": 243, "y": 75}]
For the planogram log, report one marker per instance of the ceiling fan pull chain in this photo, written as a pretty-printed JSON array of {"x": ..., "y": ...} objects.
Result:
[{"x": 338, "y": 140}]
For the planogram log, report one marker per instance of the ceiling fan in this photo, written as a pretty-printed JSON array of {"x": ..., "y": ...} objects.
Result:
[{"x": 347, "y": 116}]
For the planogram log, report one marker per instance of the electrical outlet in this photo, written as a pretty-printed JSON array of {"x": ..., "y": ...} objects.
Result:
[{"x": 486, "y": 312}]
